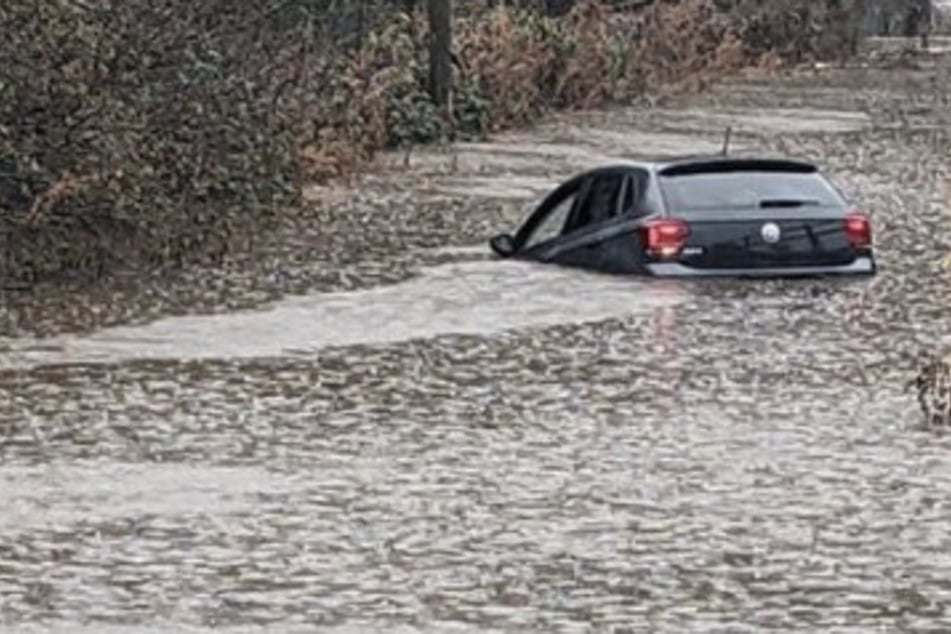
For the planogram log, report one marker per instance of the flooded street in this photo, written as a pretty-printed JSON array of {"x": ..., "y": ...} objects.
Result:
[{"x": 412, "y": 437}]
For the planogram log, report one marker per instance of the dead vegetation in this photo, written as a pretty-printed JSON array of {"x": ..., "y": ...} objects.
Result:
[
  {"x": 515, "y": 64},
  {"x": 932, "y": 386},
  {"x": 144, "y": 133}
]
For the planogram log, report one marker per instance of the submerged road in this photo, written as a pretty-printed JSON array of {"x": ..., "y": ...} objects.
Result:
[{"x": 437, "y": 442}]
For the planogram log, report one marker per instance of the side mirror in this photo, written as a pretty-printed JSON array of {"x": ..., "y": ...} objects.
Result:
[{"x": 503, "y": 245}]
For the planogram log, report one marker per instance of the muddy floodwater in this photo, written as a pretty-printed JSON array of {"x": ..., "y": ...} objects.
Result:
[{"x": 388, "y": 431}]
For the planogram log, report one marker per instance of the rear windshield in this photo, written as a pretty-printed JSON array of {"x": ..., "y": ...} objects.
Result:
[{"x": 747, "y": 189}]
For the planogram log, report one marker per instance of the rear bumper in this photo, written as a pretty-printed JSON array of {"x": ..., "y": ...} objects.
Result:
[{"x": 863, "y": 265}]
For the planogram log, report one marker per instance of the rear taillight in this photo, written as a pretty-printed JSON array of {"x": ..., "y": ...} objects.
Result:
[
  {"x": 665, "y": 238},
  {"x": 858, "y": 229}
]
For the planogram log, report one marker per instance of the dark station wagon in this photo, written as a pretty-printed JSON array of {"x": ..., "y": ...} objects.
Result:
[{"x": 699, "y": 216}]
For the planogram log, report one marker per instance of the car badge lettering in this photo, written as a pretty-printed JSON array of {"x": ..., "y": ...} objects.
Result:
[{"x": 770, "y": 233}]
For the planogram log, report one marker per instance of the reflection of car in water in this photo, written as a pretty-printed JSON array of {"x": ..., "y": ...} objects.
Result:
[{"x": 698, "y": 216}]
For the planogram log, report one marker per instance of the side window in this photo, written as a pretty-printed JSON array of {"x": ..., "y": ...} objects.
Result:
[
  {"x": 651, "y": 200},
  {"x": 600, "y": 202},
  {"x": 631, "y": 195},
  {"x": 552, "y": 224},
  {"x": 637, "y": 195}
]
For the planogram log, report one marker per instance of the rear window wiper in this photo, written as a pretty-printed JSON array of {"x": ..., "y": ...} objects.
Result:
[{"x": 787, "y": 202}]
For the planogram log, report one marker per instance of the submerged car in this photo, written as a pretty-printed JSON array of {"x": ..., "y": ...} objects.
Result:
[{"x": 698, "y": 216}]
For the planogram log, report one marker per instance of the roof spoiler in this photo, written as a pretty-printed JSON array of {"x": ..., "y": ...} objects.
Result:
[{"x": 721, "y": 165}]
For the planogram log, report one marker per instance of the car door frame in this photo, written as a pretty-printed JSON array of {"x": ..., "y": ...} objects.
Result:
[
  {"x": 565, "y": 248},
  {"x": 576, "y": 186},
  {"x": 590, "y": 236}
]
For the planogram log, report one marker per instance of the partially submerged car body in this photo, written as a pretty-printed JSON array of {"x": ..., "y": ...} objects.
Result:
[{"x": 698, "y": 216}]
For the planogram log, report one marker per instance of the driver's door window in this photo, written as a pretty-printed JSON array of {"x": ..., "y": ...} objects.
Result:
[{"x": 552, "y": 224}]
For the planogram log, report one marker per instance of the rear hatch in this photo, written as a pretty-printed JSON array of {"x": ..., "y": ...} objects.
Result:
[
  {"x": 747, "y": 241},
  {"x": 758, "y": 214}
]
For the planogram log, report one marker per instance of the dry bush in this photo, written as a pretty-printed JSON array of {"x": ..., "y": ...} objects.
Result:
[
  {"x": 584, "y": 70},
  {"x": 508, "y": 58},
  {"x": 372, "y": 99},
  {"x": 133, "y": 130},
  {"x": 180, "y": 119},
  {"x": 528, "y": 63}
]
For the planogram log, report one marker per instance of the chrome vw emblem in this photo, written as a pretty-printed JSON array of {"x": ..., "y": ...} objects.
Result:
[{"x": 770, "y": 233}]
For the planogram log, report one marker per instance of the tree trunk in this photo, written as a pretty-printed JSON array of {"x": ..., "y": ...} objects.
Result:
[{"x": 440, "y": 52}]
